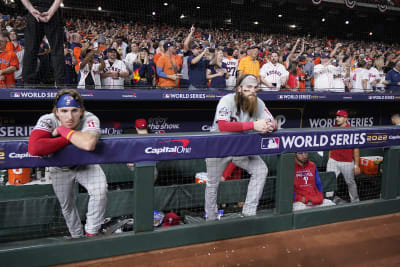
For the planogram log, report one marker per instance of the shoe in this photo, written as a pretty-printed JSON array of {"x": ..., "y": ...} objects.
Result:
[{"x": 91, "y": 235}]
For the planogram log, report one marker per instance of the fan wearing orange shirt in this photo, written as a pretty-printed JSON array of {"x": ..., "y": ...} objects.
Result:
[
  {"x": 8, "y": 64},
  {"x": 168, "y": 67}
]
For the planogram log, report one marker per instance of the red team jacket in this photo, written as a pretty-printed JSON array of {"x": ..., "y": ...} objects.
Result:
[{"x": 307, "y": 184}]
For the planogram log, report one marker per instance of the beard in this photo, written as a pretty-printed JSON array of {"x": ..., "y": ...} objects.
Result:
[{"x": 246, "y": 104}]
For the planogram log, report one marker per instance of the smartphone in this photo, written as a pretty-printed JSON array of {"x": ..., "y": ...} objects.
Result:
[
  {"x": 95, "y": 45},
  {"x": 211, "y": 50}
]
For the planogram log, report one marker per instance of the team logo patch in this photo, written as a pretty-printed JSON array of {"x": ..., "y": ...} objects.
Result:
[
  {"x": 68, "y": 100},
  {"x": 46, "y": 123},
  {"x": 223, "y": 113},
  {"x": 270, "y": 143}
]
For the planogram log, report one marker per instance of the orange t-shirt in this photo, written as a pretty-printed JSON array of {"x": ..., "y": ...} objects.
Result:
[
  {"x": 77, "y": 55},
  {"x": 8, "y": 59},
  {"x": 166, "y": 64},
  {"x": 156, "y": 57}
]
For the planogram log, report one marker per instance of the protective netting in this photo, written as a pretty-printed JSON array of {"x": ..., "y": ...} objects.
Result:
[
  {"x": 225, "y": 187},
  {"x": 119, "y": 44}
]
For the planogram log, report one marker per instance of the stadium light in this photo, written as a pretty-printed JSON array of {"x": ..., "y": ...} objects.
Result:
[
  {"x": 165, "y": 4},
  {"x": 347, "y": 22},
  {"x": 293, "y": 26},
  {"x": 371, "y": 33},
  {"x": 99, "y": 8},
  {"x": 255, "y": 22},
  {"x": 182, "y": 16},
  {"x": 198, "y": 7},
  {"x": 280, "y": 16},
  {"x": 153, "y": 13},
  {"x": 323, "y": 19},
  {"x": 62, "y": 5}
]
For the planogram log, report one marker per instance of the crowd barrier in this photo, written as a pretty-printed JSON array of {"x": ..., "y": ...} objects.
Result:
[
  {"x": 34, "y": 209},
  {"x": 176, "y": 94}
]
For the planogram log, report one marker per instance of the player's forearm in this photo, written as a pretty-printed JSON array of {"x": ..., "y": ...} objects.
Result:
[
  {"x": 41, "y": 143},
  {"x": 356, "y": 157},
  {"x": 56, "y": 4},
  {"x": 123, "y": 74},
  {"x": 84, "y": 140},
  {"x": 27, "y": 4},
  {"x": 226, "y": 126}
]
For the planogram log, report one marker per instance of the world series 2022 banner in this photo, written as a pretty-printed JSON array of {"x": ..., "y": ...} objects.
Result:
[{"x": 14, "y": 154}]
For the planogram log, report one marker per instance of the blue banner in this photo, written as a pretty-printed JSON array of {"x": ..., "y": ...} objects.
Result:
[
  {"x": 13, "y": 153},
  {"x": 201, "y": 95}
]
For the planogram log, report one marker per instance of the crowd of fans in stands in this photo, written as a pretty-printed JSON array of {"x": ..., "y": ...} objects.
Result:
[{"x": 115, "y": 55}]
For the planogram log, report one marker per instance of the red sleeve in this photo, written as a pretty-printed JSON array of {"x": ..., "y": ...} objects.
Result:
[
  {"x": 41, "y": 143},
  {"x": 228, "y": 170},
  {"x": 233, "y": 126}
]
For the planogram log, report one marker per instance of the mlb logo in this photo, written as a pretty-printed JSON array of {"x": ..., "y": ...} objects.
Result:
[
  {"x": 270, "y": 143},
  {"x": 15, "y": 94},
  {"x": 167, "y": 96},
  {"x": 281, "y": 96}
]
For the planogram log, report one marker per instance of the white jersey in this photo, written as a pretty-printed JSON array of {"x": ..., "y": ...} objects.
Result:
[
  {"x": 232, "y": 65},
  {"x": 109, "y": 82},
  {"x": 129, "y": 59},
  {"x": 95, "y": 72},
  {"x": 88, "y": 123},
  {"x": 323, "y": 77},
  {"x": 373, "y": 74},
  {"x": 273, "y": 74},
  {"x": 356, "y": 78},
  {"x": 339, "y": 73},
  {"x": 227, "y": 111}
]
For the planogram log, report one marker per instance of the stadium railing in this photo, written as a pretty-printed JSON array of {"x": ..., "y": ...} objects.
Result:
[{"x": 32, "y": 224}]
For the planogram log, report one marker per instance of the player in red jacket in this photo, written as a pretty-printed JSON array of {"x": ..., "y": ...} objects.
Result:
[{"x": 308, "y": 191}]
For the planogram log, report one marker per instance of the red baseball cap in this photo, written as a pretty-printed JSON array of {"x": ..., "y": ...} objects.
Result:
[
  {"x": 342, "y": 113},
  {"x": 140, "y": 123},
  {"x": 171, "y": 219}
]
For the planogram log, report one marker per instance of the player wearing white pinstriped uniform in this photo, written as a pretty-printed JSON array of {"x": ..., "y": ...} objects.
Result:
[
  {"x": 238, "y": 112},
  {"x": 273, "y": 74},
  {"x": 323, "y": 75},
  {"x": 69, "y": 123},
  {"x": 114, "y": 72}
]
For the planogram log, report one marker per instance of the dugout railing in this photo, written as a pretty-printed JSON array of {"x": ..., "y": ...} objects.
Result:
[{"x": 145, "y": 196}]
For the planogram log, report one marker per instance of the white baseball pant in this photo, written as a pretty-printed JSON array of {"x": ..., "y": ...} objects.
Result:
[
  {"x": 258, "y": 171},
  {"x": 346, "y": 168},
  {"x": 93, "y": 179}
]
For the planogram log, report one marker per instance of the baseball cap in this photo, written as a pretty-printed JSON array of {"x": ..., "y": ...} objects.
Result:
[
  {"x": 252, "y": 47},
  {"x": 342, "y": 113},
  {"x": 171, "y": 219},
  {"x": 194, "y": 46},
  {"x": 167, "y": 45},
  {"x": 144, "y": 49},
  {"x": 140, "y": 123},
  {"x": 324, "y": 55},
  {"x": 112, "y": 50}
]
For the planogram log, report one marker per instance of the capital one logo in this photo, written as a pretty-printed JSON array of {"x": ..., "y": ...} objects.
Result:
[{"x": 176, "y": 146}]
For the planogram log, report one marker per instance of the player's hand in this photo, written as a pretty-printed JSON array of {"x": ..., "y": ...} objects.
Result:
[
  {"x": 260, "y": 125},
  {"x": 36, "y": 14},
  {"x": 55, "y": 133},
  {"x": 192, "y": 29},
  {"x": 356, "y": 170},
  {"x": 270, "y": 126}
]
